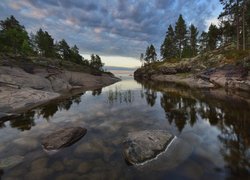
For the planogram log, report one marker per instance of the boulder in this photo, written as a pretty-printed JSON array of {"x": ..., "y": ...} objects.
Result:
[
  {"x": 145, "y": 145},
  {"x": 63, "y": 138}
]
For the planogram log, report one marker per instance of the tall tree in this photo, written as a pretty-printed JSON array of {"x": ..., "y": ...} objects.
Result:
[
  {"x": 168, "y": 47},
  {"x": 96, "y": 62},
  {"x": 232, "y": 12},
  {"x": 14, "y": 38},
  {"x": 203, "y": 41},
  {"x": 180, "y": 34},
  {"x": 213, "y": 36},
  {"x": 142, "y": 58},
  {"x": 193, "y": 39},
  {"x": 150, "y": 55},
  {"x": 45, "y": 43},
  {"x": 64, "y": 50}
]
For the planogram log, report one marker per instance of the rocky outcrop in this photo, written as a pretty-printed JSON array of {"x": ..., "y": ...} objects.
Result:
[
  {"x": 228, "y": 76},
  {"x": 63, "y": 138},
  {"x": 21, "y": 88},
  {"x": 145, "y": 145}
]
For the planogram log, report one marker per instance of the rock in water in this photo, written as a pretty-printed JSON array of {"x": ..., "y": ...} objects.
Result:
[
  {"x": 145, "y": 145},
  {"x": 63, "y": 138},
  {"x": 11, "y": 161}
]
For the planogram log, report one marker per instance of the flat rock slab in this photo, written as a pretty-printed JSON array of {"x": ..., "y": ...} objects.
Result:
[
  {"x": 11, "y": 161},
  {"x": 63, "y": 138},
  {"x": 145, "y": 145}
]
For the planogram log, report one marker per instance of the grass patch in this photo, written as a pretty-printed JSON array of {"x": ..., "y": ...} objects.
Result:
[
  {"x": 235, "y": 55},
  {"x": 184, "y": 75}
]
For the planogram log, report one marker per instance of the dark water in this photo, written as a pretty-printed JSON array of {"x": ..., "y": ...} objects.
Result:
[{"x": 212, "y": 130}]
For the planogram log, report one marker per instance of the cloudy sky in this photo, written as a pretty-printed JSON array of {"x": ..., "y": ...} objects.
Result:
[{"x": 118, "y": 30}]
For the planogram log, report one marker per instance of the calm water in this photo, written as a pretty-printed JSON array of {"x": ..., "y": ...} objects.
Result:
[{"x": 213, "y": 136}]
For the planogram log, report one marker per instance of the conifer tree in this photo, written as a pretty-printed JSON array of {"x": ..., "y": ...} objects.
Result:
[
  {"x": 168, "y": 48},
  {"x": 180, "y": 34}
]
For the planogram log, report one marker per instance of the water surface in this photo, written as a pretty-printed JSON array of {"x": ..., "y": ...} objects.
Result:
[{"x": 213, "y": 132}]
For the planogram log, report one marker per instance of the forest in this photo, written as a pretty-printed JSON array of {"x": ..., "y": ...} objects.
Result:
[
  {"x": 182, "y": 41},
  {"x": 15, "y": 40}
]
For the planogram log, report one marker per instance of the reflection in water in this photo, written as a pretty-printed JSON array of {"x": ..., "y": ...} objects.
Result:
[
  {"x": 220, "y": 129},
  {"x": 119, "y": 96},
  {"x": 184, "y": 106},
  {"x": 25, "y": 122},
  {"x": 151, "y": 96},
  {"x": 65, "y": 104},
  {"x": 97, "y": 92}
]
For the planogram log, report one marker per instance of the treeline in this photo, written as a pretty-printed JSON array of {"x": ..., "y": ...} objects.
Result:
[
  {"x": 14, "y": 39},
  {"x": 185, "y": 42}
]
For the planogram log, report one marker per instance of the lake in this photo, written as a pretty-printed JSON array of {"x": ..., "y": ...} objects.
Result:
[{"x": 212, "y": 132}]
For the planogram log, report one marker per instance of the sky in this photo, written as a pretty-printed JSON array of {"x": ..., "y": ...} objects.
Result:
[{"x": 118, "y": 30}]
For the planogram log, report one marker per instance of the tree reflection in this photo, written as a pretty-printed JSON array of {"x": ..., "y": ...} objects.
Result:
[
  {"x": 118, "y": 96},
  {"x": 97, "y": 92},
  {"x": 184, "y": 106},
  {"x": 24, "y": 122},
  {"x": 178, "y": 109},
  {"x": 235, "y": 134},
  {"x": 151, "y": 97},
  {"x": 49, "y": 110}
]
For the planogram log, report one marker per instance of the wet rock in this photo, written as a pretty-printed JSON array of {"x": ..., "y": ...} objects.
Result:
[
  {"x": 179, "y": 151},
  {"x": 68, "y": 176},
  {"x": 84, "y": 167},
  {"x": 28, "y": 143},
  {"x": 57, "y": 166},
  {"x": 63, "y": 138},
  {"x": 39, "y": 163},
  {"x": 11, "y": 161},
  {"x": 39, "y": 173},
  {"x": 145, "y": 145}
]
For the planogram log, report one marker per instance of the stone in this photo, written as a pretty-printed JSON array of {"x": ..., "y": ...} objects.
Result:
[
  {"x": 145, "y": 145},
  {"x": 11, "y": 161},
  {"x": 63, "y": 138},
  {"x": 29, "y": 143},
  {"x": 84, "y": 167},
  {"x": 57, "y": 166}
]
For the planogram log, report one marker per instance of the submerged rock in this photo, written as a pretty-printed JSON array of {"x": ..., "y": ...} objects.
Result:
[
  {"x": 11, "y": 161},
  {"x": 63, "y": 138},
  {"x": 145, "y": 145}
]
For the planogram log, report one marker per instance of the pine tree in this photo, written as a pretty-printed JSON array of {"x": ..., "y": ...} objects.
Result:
[
  {"x": 64, "y": 50},
  {"x": 203, "y": 41},
  {"x": 180, "y": 34},
  {"x": 168, "y": 47},
  {"x": 213, "y": 36},
  {"x": 193, "y": 39},
  {"x": 13, "y": 36},
  {"x": 45, "y": 43},
  {"x": 153, "y": 55}
]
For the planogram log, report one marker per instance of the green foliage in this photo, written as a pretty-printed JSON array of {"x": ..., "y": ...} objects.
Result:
[
  {"x": 13, "y": 37},
  {"x": 193, "y": 40},
  {"x": 168, "y": 48},
  {"x": 64, "y": 50},
  {"x": 180, "y": 34},
  {"x": 45, "y": 44},
  {"x": 150, "y": 55},
  {"x": 213, "y": 36},
  {"x": 235, "y": 54},
  {"x": 96, "y": 62}
]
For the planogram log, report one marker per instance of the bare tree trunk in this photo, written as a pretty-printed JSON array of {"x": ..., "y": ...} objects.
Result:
[
  {"x": 238, "y": 24},
  {"x": 243, "y": 27}
]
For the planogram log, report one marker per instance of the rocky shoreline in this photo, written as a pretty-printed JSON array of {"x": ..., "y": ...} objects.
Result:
[
  {"x": 21, "y": 89},
  {"x": 193, "y": 73}
]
